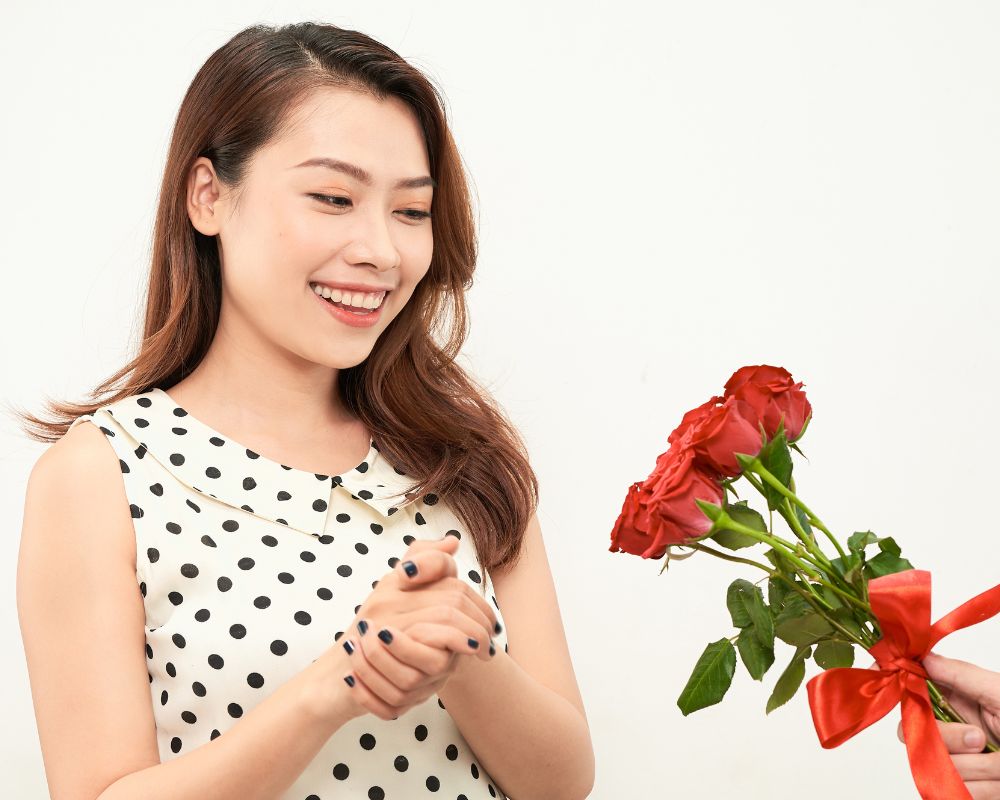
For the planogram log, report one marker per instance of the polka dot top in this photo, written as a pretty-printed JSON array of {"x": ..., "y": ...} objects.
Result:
[{"x": 250, "y": 569}]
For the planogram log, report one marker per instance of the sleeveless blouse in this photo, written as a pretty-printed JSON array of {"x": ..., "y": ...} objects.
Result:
[{"x": 250, "y": 569}]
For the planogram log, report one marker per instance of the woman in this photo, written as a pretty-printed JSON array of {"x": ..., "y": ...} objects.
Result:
[{"x": 289, "y": 452}]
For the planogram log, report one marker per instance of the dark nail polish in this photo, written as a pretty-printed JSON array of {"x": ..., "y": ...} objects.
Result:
[
  {"x": 493, "y": 650},
  {"x": 362, "y": 626},
  {"x": 385, "y": 636},
  {"x": 350, "y": 680},
  {"x": 498, "y": 628},
  {"x": 409, "y": 568},
  {"x": 348, "y": 646},
  {"x": 473, "y": 643}
]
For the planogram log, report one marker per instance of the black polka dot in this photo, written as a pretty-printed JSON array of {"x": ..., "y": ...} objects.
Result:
[
  {"x": 175, "y": 745},
  {"x": 401, "y": 764},
  {"x": 237, "y": 631},
  {"x": 198, "y": 689},
  {"x": 376, "y": 793},
  {"x": 420, "y": 732},
  {"x": 255, "y": 679},
  {"x": 262, "y": 601},
  {"x": 367, "y": 741},
  {"x": 341, "y": 771},
  {"x": 189, "y": 570},
  {"x": 302, "y": 617},
  {"x": 451, "y": 752},
  {"x": 215, "y": 661},
  {"x": 278, "y": 647},
  {"x": 235, "y": 710},
  {"x": 433, "y": 784}
]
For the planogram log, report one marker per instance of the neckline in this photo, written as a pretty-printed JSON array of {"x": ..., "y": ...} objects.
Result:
[{"x": 208, "y": 431}]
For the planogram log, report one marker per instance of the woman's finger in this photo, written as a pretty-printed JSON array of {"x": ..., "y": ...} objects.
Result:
[
  {"x": 427, "y": 563},
  {"x": 458, "y": 594},
  {"x": 474, "y": 637},
  {"x": 404, "y": 661},
  {"x": 366, "y": 697},
  {"x": 980, "y": 767},
  {"x": 980, "y": 685},
  {"x": 958, "y": 738},
  {"x": 984, "y": 790},
  {"x": 448, "y": 636}
]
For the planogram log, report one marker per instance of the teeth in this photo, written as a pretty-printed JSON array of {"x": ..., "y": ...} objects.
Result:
[{"x": 365, "y": 300}]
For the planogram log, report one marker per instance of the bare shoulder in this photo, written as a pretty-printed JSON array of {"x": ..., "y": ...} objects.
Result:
[
  {"x": 82, "y": 617},
  {"x": 526, "y": 594}
]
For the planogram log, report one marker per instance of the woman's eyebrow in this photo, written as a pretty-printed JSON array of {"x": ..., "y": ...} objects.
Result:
[{"x": 363, "y": 176}]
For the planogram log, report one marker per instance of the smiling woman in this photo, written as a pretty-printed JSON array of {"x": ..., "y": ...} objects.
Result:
[{"x": 293, "y": 457}]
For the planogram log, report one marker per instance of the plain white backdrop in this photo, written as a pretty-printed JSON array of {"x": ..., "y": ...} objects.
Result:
[{"x": 665, "y": 193}]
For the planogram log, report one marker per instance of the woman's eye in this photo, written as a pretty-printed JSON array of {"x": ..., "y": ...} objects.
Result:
[
  {"x": 334, "y": 200},
  {"x": 328, "y": 199}
]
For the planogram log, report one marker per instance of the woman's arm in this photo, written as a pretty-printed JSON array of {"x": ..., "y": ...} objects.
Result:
[
  {"x": 82, "y": 622},
  {"x": 522, "y": 713}
]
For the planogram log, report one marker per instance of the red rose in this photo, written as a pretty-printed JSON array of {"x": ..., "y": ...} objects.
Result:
[
  {"x": 692, "y": 418},
  {"x": 724, "y": 430},
  {"x": 772, "y": 393},
  {"x": 661, "y": 511}
]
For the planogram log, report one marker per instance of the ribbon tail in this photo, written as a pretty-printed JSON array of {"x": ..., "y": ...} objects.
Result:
[
  {"x": 979, "y": 608},
  {"x": 931, "y": 765}
]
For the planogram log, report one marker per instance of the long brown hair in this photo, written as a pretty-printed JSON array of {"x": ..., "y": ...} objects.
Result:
[{"x": 430, "y": 418}]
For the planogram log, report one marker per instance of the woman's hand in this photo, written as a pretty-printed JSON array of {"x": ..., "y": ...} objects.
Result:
[
  {"x": 974, "y": 693},
  {"x": 420, "y": 636}
]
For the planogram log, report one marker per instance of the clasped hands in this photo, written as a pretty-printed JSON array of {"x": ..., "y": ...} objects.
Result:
[{"x": 408, "y": 637}]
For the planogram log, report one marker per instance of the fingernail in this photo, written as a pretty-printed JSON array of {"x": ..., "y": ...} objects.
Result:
[
  {"x": 493, "y": 650},
  {"x": 975, "y": 738},
  {"x": 349, "y": 679},
  {"x": 473, "y": 643},
  {"x": 348, "y": 646},
  {"x": 362, "y": 626},
  {"x": 385, "y": 636},
  {"x": 409, "y": 568},
  {"x": 498, "y": 628}
]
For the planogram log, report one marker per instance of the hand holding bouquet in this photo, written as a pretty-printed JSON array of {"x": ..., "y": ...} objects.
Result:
[{"x": 862, "y": 594}]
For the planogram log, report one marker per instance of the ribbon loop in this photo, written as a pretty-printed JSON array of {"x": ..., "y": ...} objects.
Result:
[{"x": 844, "y": 701}]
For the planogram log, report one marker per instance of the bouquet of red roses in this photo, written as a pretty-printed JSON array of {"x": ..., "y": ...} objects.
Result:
[{"x": 867, "y": 595}]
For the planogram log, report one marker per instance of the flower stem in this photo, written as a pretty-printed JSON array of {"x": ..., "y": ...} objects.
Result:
[
  {"x": 761, "y": 470},
  {"x": 727, "y": 557}
]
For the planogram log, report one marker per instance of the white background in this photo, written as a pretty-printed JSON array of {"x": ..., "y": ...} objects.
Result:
[{"x": 665, "y": 193}]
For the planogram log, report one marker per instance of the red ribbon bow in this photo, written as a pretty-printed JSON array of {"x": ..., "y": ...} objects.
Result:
[{"x": 845, "y": 700}]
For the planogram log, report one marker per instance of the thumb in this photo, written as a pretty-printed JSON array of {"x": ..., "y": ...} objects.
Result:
[
  {"x": 427, "y": 561},
  {"x": 976, "y": 683}
]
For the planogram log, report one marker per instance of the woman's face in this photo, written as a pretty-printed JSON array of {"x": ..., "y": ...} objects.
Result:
[{"x": 299, "y": 225}]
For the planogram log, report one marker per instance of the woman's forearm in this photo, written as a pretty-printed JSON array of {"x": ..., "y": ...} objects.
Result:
[
  {"x": 532, "y": 741},
  {"x": 260, "y": 757}
]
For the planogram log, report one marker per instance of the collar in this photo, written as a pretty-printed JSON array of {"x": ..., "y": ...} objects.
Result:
[{"x": 232, "y": 473}]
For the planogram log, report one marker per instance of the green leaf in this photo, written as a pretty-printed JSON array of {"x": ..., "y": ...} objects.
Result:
[
  {"x": 777, "y": 590},
  {"x": 778, "y": 461},
  {"x": 733, "y": 540},
  {"x": 740, "y": 512},
  {"x": 789, "y": 681},
  {"x": 834, "y": 653},
  {"x": 748, "y": 609},
  {"x": 756, "y": 657},
  {"x": 885, "y": 563},
  {"x": 800, "y": 624},
  {"x": 888, "y": 545},
  {"x": 711, "y": 678},
  {"x": 803, "y": 518},
  {"x": 743, "y": 514},
  {"x": 859, "y": 540}
]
